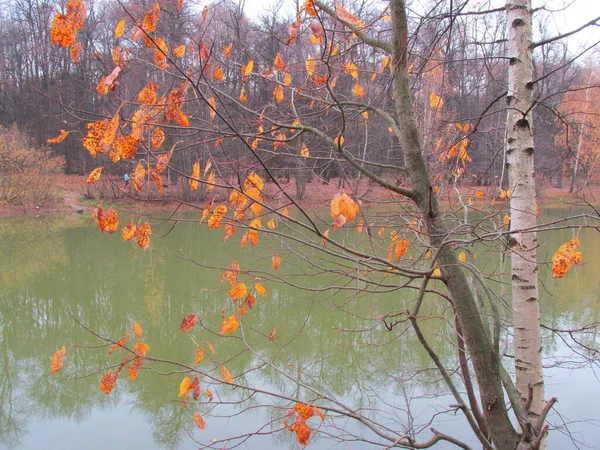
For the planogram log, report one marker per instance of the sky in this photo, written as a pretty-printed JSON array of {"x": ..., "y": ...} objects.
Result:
[{"x": 562, "y": 20}]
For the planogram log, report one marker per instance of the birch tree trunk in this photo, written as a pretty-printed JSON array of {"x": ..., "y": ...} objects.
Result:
[{"x": 520, "y": 164}]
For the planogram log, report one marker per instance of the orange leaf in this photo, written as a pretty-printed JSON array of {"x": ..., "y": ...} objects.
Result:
[
  {"x": 250, "y": 299},
  {"x": 227, "y": 51},
  {"x": 61, "y": 137},
  {"x": 309, "y": 7},
  {"x": 199, "y": 356},
  {"x": 278, "y": 93},
  {"x": 94, "y": 175},
  {"x": 278, "y": 63},
  {"x": 272, "y": 334},
  {"x": 208, "y": 394},
  {"x": 238, "y": 291},
  {"x": 134, "y": 368},
  {"x": 138, "y": 177},
  {"x": 243, "y": 96},
  {"x": 358, "y": 90},
  {"x": 199, "y": 421},
  {"x": 229, "y": 325},
  {"x": 218, "y": 74},
  {"x": 401, "y": 247},
  {"x": 108, "y": 382},
  {"x": 462, "y": 257},
  {"x": 344, "y": 15},
  {"x": 205, "y": 12},
  {"x": 137, "y": 330},
  {"x": 479, "y": 194},
  {"x": 57, "y": 360},
  {"x": 193, "y": 181},
  {"x": 260, "y": 289},
  {"x": 225, "y": 375},
  {"x": 140, "y": 348},
  {"x": 275, "y": 261},
  {"x": 189, "y": 322},
  {"x": 213, "y": 108},
  {"x": 119, "y": 344},
  {"x": 293, "y": 31},
  {"x": 75, "y": 52}
]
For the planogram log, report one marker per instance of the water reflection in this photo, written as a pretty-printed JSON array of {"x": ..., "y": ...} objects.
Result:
[{"x": 55, "y": 269}]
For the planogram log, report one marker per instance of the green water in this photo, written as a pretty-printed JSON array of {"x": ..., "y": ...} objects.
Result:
[{"x": 55, "y": 271}]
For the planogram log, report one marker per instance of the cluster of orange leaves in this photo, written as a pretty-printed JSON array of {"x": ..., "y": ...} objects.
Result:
[
  {"x": 64, "y": 28},
  {"x": 566, "y": 257},
  {"x": 300, "y": 427},
  {"x": 107, "y": 220},
  {"x": 343, "y": 209},
  {"x": 142, "y": 233}
]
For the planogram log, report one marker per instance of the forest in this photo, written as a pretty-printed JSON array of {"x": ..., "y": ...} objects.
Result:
[{"x": 44, "y": 90}]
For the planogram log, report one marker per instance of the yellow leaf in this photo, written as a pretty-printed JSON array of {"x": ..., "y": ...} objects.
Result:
[
  {"x": 350, "y": 69},
  {"x": 311, "y": 64},
  {"x": 260, "y": 289},
  {"x": 304, "y": 151},
  {"x": 435, "y": 101},
  {"x": 179, "y": 51},
  {"x": 225, "y": 375},
  {"x": 137, "y": 330},
  {"x": 120, "y": 29},
  {"x": 384, "y": 63},
  {"x": 271, "y": 224},
  {"x": 247, "y": 69},
  {"x": 184, "y": 387},
  {"x": 462, "y": 257}
]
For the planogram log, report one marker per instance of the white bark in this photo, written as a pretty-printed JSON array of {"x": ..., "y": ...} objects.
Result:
[{"x": 519, "y": 153}]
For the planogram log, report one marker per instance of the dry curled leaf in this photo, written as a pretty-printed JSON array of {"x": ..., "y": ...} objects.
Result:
[
  {"x": 108, "y": 382},
  {"x": 189, "y": 322}
]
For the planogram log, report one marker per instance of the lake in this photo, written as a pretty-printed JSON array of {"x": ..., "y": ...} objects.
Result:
[{"x": 56, "y": 271}]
